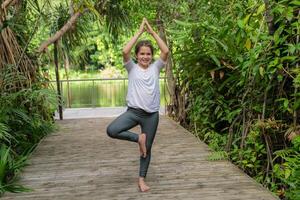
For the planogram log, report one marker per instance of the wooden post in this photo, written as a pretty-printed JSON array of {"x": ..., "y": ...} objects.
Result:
[
  {"x": 67, "y": 66},
  {"x": 57, "y": 81}
]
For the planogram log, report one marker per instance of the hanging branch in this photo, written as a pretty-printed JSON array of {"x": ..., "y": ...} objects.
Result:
[{"x": 61, "y": 32}]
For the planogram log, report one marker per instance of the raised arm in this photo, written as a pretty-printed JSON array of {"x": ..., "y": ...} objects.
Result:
[
  {"x": 164, "y": 50},
  {"x": 127, "y": 48}
]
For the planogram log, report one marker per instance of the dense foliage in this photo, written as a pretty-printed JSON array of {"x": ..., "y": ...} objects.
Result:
[
  {"x": 26, "y": 105},
  {"x": 237, "y": 64},
  {"x": 25, "y": 117}
]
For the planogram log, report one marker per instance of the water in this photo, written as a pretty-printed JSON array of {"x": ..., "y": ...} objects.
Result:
[{"x": 100, "y": 93}]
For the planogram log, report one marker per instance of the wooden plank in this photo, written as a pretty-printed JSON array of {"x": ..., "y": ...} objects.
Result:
[{"x": 81, "y": 162}]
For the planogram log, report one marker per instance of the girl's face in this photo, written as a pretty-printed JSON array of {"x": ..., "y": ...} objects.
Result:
[{"x": 144, "y": 56}]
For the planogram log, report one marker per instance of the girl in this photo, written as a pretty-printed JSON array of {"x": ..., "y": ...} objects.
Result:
[{"x": 143, "y": 97}]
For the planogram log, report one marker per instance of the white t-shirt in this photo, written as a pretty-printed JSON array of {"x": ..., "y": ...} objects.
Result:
[{"x": 143, "y": 85}]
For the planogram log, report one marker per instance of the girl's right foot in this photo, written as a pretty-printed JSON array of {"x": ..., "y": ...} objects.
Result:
[
  {"x": 142, "y": 185},
  {"x": 142, "y": 145}
]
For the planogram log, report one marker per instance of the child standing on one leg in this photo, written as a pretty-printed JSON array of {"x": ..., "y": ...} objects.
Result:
[{"x": 143, "y": 97}]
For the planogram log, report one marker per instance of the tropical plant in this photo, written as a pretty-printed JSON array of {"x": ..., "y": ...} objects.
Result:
[
  {"x": 233, "y": 61},
  {"x": 288, "y": 170}
]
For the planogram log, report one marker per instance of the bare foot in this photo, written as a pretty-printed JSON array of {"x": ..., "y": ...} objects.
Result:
[
  {"x": 142, "y": 144},
  {"x": 142, "y": 185}
]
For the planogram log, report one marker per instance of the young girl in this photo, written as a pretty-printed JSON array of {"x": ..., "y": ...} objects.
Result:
[{"x": 143, "y": 97}]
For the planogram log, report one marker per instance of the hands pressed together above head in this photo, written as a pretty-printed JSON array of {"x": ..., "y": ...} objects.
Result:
[{"x": 145, "y": 26}]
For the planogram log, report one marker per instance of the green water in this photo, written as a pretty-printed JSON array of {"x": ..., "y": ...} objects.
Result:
[{"x": 100, "y": 93}]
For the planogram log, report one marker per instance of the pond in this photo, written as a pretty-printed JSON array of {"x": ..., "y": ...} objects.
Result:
[{"x": 100, "y": 92}]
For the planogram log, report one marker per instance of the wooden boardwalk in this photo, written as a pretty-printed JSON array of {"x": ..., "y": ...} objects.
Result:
[{"x": 81, "y": 162}]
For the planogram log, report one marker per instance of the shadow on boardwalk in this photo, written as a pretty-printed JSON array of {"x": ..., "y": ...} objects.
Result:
[{"x": 81, "y": 162}]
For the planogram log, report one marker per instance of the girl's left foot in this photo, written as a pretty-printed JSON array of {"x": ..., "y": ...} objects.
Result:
[{"x": 142, "y": 185}]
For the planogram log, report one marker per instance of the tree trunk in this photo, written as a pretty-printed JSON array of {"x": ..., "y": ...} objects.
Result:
[
  {"x": 269, "y": 18},
  {"x": 171, "y": 83},
  {"x": 57, "y": 81}
]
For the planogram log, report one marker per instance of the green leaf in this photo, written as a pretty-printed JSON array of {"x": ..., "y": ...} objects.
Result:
[
  {"x": 292, "y": 48},
  {"x": 287, "y": 173},
  {"x": 289, "y": 13},
  {"x": 245, "y": 162},
  {"x": 261, "y": 71},
  {"x": 92, "y": 9},
  {"x": 296, "y": 104},
  {"x": 183, "y": 23},
  {"x": 225, "y": 47},
  {"x": 215, "y": 59},
  {"x": 248, "y": 44},
  {"x": 278, "y": 33},
  {"x": 297, "y": 3},
  {"x": 4, "y": 159},
  {"x": 260, "y": 9},
  {"x": 240, "y": 24},
  {"x": 246, "y": 19},
  {"x": 250, "y": 165},
  {"x": 285, "y": 103},
  {"x": 290, "y": 58},
  {"x": 218, "y": 155}
]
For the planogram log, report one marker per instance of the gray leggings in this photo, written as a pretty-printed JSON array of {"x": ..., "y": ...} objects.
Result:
[{"x": 132, "y": 117}]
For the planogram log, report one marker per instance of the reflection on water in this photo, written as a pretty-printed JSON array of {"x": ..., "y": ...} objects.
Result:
[{"x": 100, "y": 93}]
